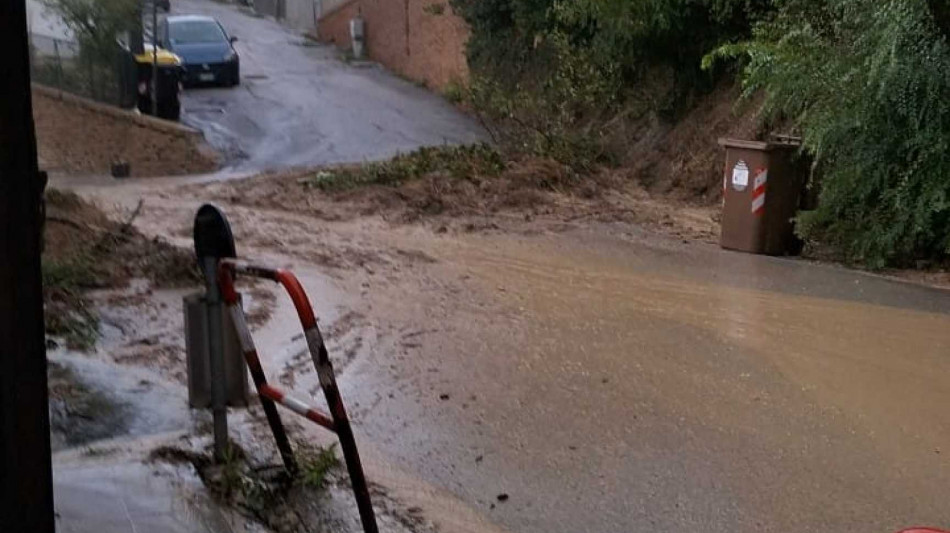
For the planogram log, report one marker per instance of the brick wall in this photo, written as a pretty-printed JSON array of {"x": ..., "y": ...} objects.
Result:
[{"x": 420, "y": 39}]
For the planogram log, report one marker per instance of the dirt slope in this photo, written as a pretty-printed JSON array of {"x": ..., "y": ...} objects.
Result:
[
  {"x": 683, "y": 160},
  {"x": 75, "y": 140}
]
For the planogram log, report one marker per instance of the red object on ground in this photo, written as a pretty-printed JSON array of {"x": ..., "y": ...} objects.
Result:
[{"x": 923, "y": 530}]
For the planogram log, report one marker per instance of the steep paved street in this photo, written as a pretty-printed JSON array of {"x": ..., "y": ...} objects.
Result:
[{"x": 299, "y": 105}]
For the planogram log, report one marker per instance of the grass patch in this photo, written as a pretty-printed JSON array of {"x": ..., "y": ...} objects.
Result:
[
  {"x": 315, "y": 466},
  {"x": 454, "y": 161},
  {"x": 68, "y": 314},
  {"x": 454, "y": 92},
  {"x": 265, "y": 493}
]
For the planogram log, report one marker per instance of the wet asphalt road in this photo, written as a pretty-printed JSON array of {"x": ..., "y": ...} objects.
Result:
[{"x": 298, "y": 105}]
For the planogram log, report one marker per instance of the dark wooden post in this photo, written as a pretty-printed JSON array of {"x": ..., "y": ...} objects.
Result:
[{"x": 26, "y": 485}]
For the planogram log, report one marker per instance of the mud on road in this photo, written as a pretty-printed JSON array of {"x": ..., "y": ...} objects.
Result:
[{"x": 587, "y": 374}]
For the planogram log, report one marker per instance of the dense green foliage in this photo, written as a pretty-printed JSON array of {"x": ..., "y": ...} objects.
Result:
[
  {"x": 867, "y": 82},
  {"x": 564, "y": 78},
  {"x": 621, "y": 37}
]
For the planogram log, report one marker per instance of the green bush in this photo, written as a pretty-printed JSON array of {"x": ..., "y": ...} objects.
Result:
[
  {"x": 868, "y": 82},
  {"x": 556, "y": 78}
]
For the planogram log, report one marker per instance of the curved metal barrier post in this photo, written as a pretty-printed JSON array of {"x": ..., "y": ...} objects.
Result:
[{"x": 337, "y": 421}]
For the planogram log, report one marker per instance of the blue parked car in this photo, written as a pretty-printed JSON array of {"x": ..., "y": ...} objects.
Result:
[{"x": 205, "y": 49}]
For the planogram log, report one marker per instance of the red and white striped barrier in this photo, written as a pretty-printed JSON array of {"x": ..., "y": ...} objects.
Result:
[
  {"x": 298, "y": 406},
  {"x": 337, "y": 421}
]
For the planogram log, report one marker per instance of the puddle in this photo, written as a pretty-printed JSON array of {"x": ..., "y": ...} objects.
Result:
[
  {"x": 100, "y": 400},
  {"x": 81, "y": 413}
]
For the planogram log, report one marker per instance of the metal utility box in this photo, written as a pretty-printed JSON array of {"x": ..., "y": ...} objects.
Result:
[
  {"x": 199, "y": 362},
  {"x": 358, "y": 36},
  {"x": 762, "y": 186}
]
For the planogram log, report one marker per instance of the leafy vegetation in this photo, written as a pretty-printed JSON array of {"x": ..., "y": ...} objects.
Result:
[
  {"x": 868, "y": 84},
  {"x": 97, "y": 25},
  {"x": 314, "y": 466},
  {"x": 68, "y": 314},
  {"x": 565, "y": 79}
]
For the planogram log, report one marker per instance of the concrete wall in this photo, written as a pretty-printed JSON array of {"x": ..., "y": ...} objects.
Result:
[
  {"x": 302, "y": 14},
  {"x": 420, "y": 39},
  {"x": 270, "y": 8}
]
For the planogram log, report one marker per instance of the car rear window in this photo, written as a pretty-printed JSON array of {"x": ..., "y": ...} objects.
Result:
[{"x": 195, "y": 31}]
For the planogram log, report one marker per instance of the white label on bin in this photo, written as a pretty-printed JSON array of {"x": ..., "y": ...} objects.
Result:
[{"x": 740, "y": 176}]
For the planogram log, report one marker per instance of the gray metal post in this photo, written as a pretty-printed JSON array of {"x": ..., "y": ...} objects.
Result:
[
  {"x": 155, "y": 62},
  {"x": 219, "y": 407}
]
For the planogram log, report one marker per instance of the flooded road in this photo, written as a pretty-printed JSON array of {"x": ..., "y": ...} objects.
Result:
[
  {"x": 608, "y": 385},
  {"x": 603, "y": 378}
]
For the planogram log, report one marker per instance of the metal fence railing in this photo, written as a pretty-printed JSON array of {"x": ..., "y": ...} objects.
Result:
[{"x": 63, "y": 64}]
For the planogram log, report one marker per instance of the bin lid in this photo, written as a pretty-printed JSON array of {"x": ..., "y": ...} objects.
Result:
[
  {"x": 165, "y": 58},
  {"x": 776, "y": 141}
]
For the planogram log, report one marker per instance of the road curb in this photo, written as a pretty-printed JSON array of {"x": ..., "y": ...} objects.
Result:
[{"x": 158, "y": 124}]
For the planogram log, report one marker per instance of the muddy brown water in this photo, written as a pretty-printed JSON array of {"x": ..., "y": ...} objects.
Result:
[
  {"x": 607, "y": 379},
  {"x": 606, "y": 385}
]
